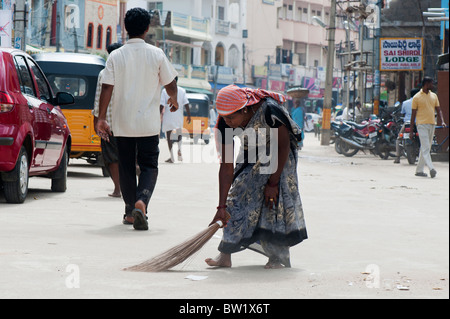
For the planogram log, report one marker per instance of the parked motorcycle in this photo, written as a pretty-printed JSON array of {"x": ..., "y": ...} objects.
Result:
[
  {"x": 410, "y": 148},
  {"x": 351, "y": 137},
  {"x": 391, "y": 124},
  {"x": 337, "y": 129}
]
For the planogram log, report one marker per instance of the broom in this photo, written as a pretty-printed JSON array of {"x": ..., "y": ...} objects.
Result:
[{"x": 178, "y": 254}]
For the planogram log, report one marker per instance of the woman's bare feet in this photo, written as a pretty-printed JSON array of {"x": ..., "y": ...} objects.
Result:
[
  {"x": 115, "y": 194},
  {"x": 274, "y": 263},
  {"x": 223, "y": 260},
  {"x": 271, "y": 265}
]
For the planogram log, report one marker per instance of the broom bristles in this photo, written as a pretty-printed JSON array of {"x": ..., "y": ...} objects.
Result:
[{"x": 179, "y": 253}]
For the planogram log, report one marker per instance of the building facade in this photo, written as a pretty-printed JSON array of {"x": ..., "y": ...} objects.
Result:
[{"x": 73, "y": 25}]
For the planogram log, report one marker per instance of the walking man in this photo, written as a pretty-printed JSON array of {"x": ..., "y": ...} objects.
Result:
[
  {"x": 173, "y": 121},
  {"x": 406, "y": 111},
  {"x": 136, "y": 71},
  {"x": 424, "y": 105},
  {"x": 109, "y": 149}
]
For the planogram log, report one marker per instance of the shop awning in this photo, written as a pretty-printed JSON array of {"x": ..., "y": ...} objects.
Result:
[
  {"x": 200, "y": 36},
  {"x": 221, "y": 85},
  {"x": 196, "y": 90},
  {"x": 195, "y": 85}
]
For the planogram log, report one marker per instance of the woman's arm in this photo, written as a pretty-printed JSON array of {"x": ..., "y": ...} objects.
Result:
[
  {"x": 271, "y": 189},
  {"x": 226, "y": 175}
]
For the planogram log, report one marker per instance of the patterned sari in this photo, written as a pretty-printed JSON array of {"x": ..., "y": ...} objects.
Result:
[{"x": 253, "y": 225}]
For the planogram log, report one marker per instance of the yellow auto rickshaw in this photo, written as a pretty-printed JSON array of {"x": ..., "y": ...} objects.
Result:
[
  {"x": 199, "y": 110},
  {"x": 77, "y": 74}
]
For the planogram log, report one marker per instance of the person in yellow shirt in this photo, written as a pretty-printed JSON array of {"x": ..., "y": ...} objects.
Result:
[{"x": 424, "y": 105}]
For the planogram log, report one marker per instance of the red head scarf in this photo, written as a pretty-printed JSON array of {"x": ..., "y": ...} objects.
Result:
[{"x": 233, "y": 98}]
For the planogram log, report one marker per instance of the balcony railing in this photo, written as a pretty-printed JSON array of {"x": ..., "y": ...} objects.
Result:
[{"x": 222, "y": 27}]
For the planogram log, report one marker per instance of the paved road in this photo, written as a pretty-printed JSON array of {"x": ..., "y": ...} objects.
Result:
[{"x": 375, "y": 231}]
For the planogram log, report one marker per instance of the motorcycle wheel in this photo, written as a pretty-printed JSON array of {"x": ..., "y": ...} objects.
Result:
[
  {"x": 337, "y": 145},
  {"x": 411, "y": 154},
  {"x": 383, "y": 150},
  {"x": 347, "y": 151}
]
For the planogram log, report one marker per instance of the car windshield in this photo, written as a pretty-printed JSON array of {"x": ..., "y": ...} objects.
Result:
[
  {"x": 70, "y": 84},
  {"x": 198, "y": 108},
  {"x": 78, "y": 85}
]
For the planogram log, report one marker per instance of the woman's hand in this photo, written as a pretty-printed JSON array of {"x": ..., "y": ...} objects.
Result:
[
  {"x": 271, "y": 196},
  {"x": 221, "y": 215}
]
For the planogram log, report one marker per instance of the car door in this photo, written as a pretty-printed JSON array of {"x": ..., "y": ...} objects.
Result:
[
  {"x": 40, "y": 123},
  {"x": 55, "y": 143}
]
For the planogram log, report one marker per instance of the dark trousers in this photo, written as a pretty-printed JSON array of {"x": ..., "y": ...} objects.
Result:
[{"x": 146, "y": 151}]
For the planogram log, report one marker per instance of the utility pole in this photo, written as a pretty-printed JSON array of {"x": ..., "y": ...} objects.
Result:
[
  {"x": 326, "y": 115},
  {"x": 361, "y": 83},
  {"x": 243, "y": 62},
  {"x": 377, "y": 76},
  {"x": 20, "y": 24}
]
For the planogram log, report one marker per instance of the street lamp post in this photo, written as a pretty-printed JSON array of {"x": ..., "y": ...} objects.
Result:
[{"x": 326, "y": 114}]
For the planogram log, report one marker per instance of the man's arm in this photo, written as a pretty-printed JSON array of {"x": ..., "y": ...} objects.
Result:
[
  {"x": 412, "y": 123},
  {"x": 439, "y": 111},
  {"x": 172, "y": 91},
  {"x": 103, "y": 129},
  {"x": 188, "y": 111}
]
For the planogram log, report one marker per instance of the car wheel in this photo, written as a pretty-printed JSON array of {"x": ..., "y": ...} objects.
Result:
[
  {"x": 59, "y": 181},
  {"x": 16, "y": 191}
]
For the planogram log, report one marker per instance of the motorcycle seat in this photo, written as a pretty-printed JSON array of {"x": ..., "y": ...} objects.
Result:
[{"x": 358, "y": 126}]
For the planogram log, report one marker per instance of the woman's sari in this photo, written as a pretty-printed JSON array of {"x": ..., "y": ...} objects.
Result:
[{"x": 253, "y": 225}]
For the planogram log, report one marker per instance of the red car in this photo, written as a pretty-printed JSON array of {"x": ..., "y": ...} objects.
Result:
[{"x": 34, "y": 136}]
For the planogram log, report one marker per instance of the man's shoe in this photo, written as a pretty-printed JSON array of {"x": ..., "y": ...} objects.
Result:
[
  {"x": 140, "y": 220},
  {"x": 433, "y": 173},
  {"x": 421, "y": 174},
  {"x": 397, "y": 160},
  {"x": 127, "y": 220}
]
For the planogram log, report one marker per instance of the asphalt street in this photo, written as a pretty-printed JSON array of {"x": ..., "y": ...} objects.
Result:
[{"x": 375, "y": 231}]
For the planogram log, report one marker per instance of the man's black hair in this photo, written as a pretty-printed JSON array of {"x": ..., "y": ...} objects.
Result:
[
  {"x": 137, "y": 20},
  {"x": 426, "y": 80},
  {"x": 110, "y": 48}
]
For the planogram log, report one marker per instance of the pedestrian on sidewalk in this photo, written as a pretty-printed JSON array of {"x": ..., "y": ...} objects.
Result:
[
  {"x": 110, "y": 153},
  {"x": 136, "y": 71},
  {"x": 172, "y": 122},
  {"x": 424, "y": 106},
  {"x": 406, "y": 112},
  {"x": 299, "y": 116},
  {"x": 263, "y": 201}
]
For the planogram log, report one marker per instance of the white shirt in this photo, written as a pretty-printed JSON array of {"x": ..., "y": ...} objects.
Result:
[
  {"x": 173, "y": 120},
  {"x": 137, "y": 70},
  {"x": 96, "y": 109},
  {"x": 407, "y": 109}
]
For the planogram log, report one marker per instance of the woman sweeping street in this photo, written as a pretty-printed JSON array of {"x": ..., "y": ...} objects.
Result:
[{"x": 259, "y": 199}]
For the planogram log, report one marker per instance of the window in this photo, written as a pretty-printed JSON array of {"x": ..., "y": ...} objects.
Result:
[
  {"x": 75, "y": 85},
  {"x": 90, "y": 34},
  {"x": 299, "y": 14},
  {"x": 99, "y": 36},
  {"x": 220, "y": 13},
  {"x": 44, "y": 91},
  {"x": 305, "y": 15},
  {"x": 108, "y": 36},
  {"x": 155, "y": 5},
  {"x": 26, "y": 83}
]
